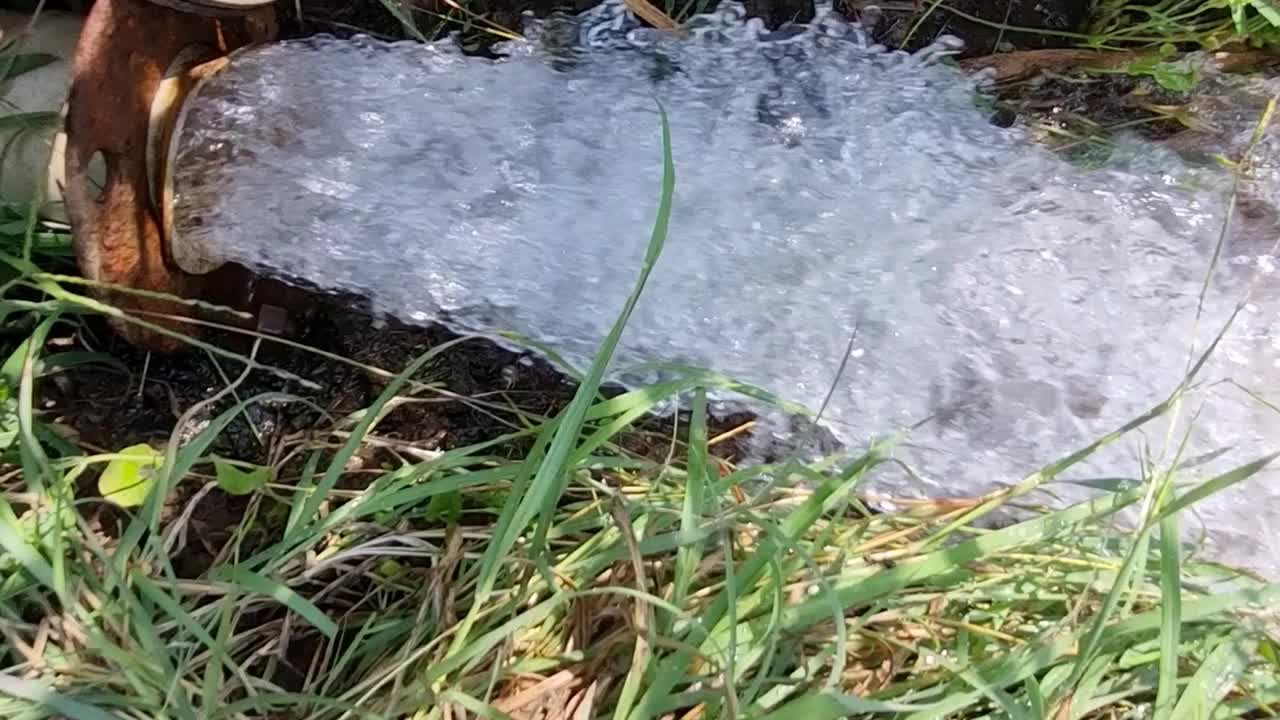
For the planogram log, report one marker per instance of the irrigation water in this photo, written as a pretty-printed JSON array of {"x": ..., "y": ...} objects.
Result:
[{"x": 825, "y": 189}]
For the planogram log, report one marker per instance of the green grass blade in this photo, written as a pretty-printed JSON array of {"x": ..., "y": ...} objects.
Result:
[
  {"x": 688, "y": 557},
  {"x": 1266, "y": 10},
  {"x": 730, "y": 649},
  {"x": 177, "y": 463},
  {"x": 549, "y": 481},
  {"x": 1215, "y": 677},
  {"x": 864, "y": 590},
  {"x": 1035, "y": 698},
  {"x": 43, "y": 696},
  {"x": 771, "y": 639},
  {"x": 306, "y": 487},
  {"x": 1120, "y": 586},
  {"x": 551, "y": 472},
  {"x": 254, "y": 583},
  {"x": 213, "y": 677},
  {"x": 1215, "y": 485},
  {"x": 832, "y": 706},
  {"x": 153, "y": 592},
  {"x": 1036, "y": 657},
  {"x": 262, "y": 703},
  {"x": 1200, "y": 610},
  {"x": 485, "y": 643},
  {"x": 1170, "y": 615},
  {"x": 17, "y": 547},
  {"x": 713, "y": 617},
  {"x": 371, "y": 415}
]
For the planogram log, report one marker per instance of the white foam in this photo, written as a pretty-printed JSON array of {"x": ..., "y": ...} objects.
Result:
[{"x": 1030, "y": 305}]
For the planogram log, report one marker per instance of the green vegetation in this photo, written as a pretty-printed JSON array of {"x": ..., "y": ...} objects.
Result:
[
  {"x": 1115, "y": 24},
  {"x": 549, "y": 573},
  {"x": 1211, "y": 24},
  {"x": 423, "y": 24},
  {"x": 1162, "y": 26},
  {"x": 476, "y": 22}
]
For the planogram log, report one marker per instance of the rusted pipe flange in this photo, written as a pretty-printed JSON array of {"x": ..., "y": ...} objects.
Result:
[{"x": 125, "y": 51}]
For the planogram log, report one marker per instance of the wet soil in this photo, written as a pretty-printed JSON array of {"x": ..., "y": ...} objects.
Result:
[
  {"x": 1075, "y": 111},
  {"x": 985, "y": 26},
  {"x": 472, "y": 392},
  {"x": 108, "y": 409}
]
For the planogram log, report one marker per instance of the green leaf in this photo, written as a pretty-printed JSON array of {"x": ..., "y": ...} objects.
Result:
[
  {"x": 389, "y": 569},
  {"x": 128, "y": 479},
  {"x": 1215, "y": 484},
  {"x": 1268, "y": 651},
  {"x": 1216, "y": 677},
  {"x": 14, "y": 541},
  {"x": 26, "y": 62},
  {"x": 8, "y": 417},
  {"x": 72, "y": 359},
  {"x": 1175, "y": 76},
  {"x": 1178, "y": 77},
  {"x": 235, "y": 481},
  {"x": 1266, "y": 10},
  {"x": 1035, "y": 696},
  {"x": 474, "y": 706},
  {"x": 445, "y": 508},
  {"x": 29, "y": 120},
  {"x": 688, "y": 557}
]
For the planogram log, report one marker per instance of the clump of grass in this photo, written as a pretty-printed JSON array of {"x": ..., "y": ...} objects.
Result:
[
  {"x": 583, "y": 582},
  {"x": 468, "y": 18},
  {"x": 474, "y": 18},
  {"x": 1166, "y": 24},
  {"x": 1208, "y": 24}
]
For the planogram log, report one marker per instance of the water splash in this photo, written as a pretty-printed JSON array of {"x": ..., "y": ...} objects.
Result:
[{"x": 823, "y": 184}]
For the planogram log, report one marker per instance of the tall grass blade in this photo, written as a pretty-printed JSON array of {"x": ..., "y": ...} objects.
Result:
[
  {"x": 255, "y": 583},
  {"x": 831, "y": 706},
  {"x": 1215, "y": 485},
  {"x": 1215, "y": 677},
  {"x": 43, "y": 696},
  {"x": 1170, "y": 614},
  {"x": 688, "y": 557},
  {"x": 551, "y": 474},
  {"x": 312, "y": 501}
]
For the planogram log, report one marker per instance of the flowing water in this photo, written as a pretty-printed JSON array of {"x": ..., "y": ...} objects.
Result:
[{"x": 825, "y": 189}]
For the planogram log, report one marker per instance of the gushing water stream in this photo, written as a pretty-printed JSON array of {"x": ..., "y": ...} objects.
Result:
[{"x": 1025, "y": 304}]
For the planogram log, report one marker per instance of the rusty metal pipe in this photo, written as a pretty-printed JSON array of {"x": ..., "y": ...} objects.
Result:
[{"x": 134, "y": 62}]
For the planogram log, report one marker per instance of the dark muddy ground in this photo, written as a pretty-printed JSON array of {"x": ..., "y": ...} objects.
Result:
[
  {"x": 472, "y": 392},
  {"x": 904, "y": 24}
]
